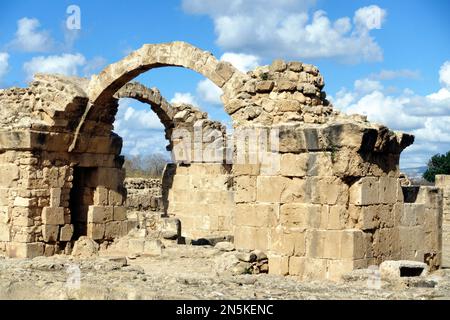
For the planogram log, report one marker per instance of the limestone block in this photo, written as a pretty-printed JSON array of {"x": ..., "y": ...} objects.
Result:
[
  {"x": 289, "y": 244},
  {"x": 100, "y": 214},
  {"x": 270, "y": 188},
  {"x": 278, "y": 265},
  {"x": 367, "y": 216},
  {"x": 245, "y": 189},
  {"x": 55, "y": 197},
  {"x": 9, "y": 174},
  {"x": 411, "y": 241},
  {"x": 353, "y": 244},
  {"x": 115, "y": 198},
  {"x": 337, "y": 217},
  {"x": 244, "y": 236},
  {"x": 278, "y": 65},
  {"x": 289, "y": 106},
  {"x": 298, "y": 190},
  {"x": 120, "y": 213},
  {"x": 66, "y": 232},
  {"x": 413, "y": 214},
  {"x": 22, "y": 216},
  {"x": 95, "y": 231},
  {"x": 245, "y": 169},
  {"x": 332, "y": 191},
  {"x": 337, "y": 268},
  {"x": 300, "y": 215},
  {"x": 295, "y": 66},
  {"x": 4, "y": 197},
  {"x": 115, "y": 229},
  {"x": 53, "y": 216},
  {"x": 365, "y": 191},
  {"x": 333, "y": 244},
  {"x": 5, "y": 215},
  {"x": 5, "y": 232},
  {"x": 24, "y": 250},
  {"x": 50, "y": 232},
  {"x": 315, "y": 243},
  {"x": 101, "y": 196},
  {"x": 396, "y": 269},
  {"x": 388, "y": 190},
  {"x": 386, "y": 243},
  {"x": 442, "y": 181},
  {"x": 256, "y": 215},
  {"x": 296, "y": 266},
  {"x": 313, "y": 269},
  {"x": 294, "y": 165},
  {"x": 22, "y": 202},
  {"x": 264, "y": 86}
]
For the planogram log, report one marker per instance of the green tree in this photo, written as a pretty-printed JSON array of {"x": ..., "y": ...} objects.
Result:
[{"x": 438, "y": 164}]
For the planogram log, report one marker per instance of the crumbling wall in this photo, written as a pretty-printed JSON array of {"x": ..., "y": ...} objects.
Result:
[
  {"x": 443, "y": 182},
  {"x": 317, "y": 190},
  {"x": 144, "y": 202},
  {"x": 201, "y": 196},
  {"x": 420, "y": 225}
]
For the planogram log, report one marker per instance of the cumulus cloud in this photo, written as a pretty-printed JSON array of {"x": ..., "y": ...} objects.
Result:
[
  {"x": 184, "y": 97},
  {"x": 30, "y": 38},
  {"x": 4, "y": 64},
  {"x": 66, "y": 64},
  {"x": 444, "y": 74},
  {"x": 427, "y": 117},
  {"x": 208, "y": 92},
  {"x": 243, "y": 62},
  {"x": 287, "y": 29},
  {"x": 140, "y": 128}
]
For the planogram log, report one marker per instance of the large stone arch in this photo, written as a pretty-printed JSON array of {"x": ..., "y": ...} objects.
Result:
[
  {"x": 104, "y": 86},
  {"x": 176, "y": 54}
]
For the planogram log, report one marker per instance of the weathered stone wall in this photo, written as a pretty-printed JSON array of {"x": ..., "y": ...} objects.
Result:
[
  {"x": 322, "y": 198},
  {"x": 443, "y": 182},
  {"x": 144, "y": 203},
  {"x": 201, "y": 196},
  {"x": 420, "y": 225}
]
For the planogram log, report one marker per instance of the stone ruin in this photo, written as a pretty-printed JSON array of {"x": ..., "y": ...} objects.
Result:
[{"x": 318, "y": 191}]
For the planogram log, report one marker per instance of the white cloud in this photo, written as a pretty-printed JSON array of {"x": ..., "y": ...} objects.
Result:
[
  {"x": 66, "y": 64},
  {"x": 286, "y": 29},
  {"x": 29, "y": 38},
  {"x": 140, "y": 128},
  {"x": 395, "y": 74},
  {"x": 243, "y": 62},
  {"x": 427, "y": 117},
  {"x": 209, "y": 92},
  {"x": 368, "y": 18},
  {"x": 184, "y": 97},
  {"x": 444, "y": 74},
  {"x": 94, "y": 66},
  {"x": 4, "y": 64},
  {"x": 367, "y": 85}
]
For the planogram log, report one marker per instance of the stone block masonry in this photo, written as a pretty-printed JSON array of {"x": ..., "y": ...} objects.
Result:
[{"x": 322, "y": 198}]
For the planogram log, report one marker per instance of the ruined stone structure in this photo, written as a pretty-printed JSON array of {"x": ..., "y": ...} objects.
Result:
[{"x": 318, "y": 190}]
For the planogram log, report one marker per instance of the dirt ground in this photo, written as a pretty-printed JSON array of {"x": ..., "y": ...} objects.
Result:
[{"x": 188, "y": 272}]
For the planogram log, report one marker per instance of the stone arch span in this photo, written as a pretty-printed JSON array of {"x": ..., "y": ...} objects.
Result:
[
  {"x": 103, "y": 87},
  {"x": 171, "y": 116}
]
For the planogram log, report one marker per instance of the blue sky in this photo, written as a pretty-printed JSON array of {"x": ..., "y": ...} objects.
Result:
[{"x": 395, "y": 70}]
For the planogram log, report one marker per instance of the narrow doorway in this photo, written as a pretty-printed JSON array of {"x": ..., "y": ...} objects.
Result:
[{"x": 81, "y": 197}]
